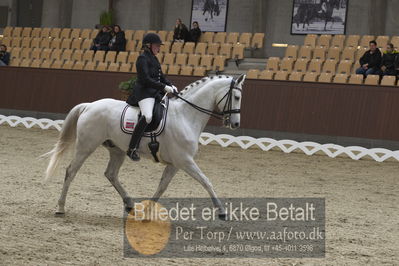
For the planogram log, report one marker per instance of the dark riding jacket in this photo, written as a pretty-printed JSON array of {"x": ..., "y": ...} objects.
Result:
[
  {"x": 103, "y": 39},
  {"x": 195, "y": 34},
  {"x": 181, "y": 33},
  {"x": 5, "y": 57},
  {"x": 373, "y": 59},
  {"x": 150, "y": 81},
  {"x": 118, "y": 42},
  {"x": 389, "y": 61}
]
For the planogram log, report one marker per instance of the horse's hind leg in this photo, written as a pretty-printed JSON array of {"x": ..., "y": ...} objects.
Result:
[
  {"x": 117, "y": 156},
  {"x": 169, "y": 172},
  {"x": 79, "y": 158}
]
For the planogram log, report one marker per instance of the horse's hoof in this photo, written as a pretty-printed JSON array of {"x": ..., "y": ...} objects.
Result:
[
  {"x": 128, "y": 209},
  {"x": 223, "y": 216},
  {"x": 129, "y": 203},
  {"x": 59, "y": 214}
]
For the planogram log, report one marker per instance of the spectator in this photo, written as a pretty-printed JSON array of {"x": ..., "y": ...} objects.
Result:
[
  {"x": 102, "y": 39},
  {"x": 118, "y": 40},
  {"x": 389, "y": 60},
  {"x": 370, "y": 62},
  {"x": 181, "y": 33},
  {"x": 397, "y": 64},
  {"x": 195, "y": 32},
  {"x": 4, "y": 56}
]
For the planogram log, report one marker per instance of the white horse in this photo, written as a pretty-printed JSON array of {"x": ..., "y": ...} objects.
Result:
[{"x": 96, "y": 123}]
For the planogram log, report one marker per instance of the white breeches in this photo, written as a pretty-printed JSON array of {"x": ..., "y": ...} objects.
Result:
[{"x": 146, "y": 106}]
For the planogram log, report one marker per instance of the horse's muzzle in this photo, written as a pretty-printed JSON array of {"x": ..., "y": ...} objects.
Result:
[{"x": 234, "y": 125}]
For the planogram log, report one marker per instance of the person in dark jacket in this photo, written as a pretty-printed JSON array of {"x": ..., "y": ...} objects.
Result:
[
  {"x": 195, "y": 32},
  {"x": 370, "y": 62},
  {"x": 118, "y": 40},
  {"x": 388, "y": 61},
  {"x": 149, "y": 85},
  {"x": 4, "y": 56},
  {"x": 397, "y": 64},
  {"x": 181, "y": 32},
  {"x": 102, "y": 40}
]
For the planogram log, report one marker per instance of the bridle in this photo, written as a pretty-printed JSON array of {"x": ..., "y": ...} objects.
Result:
[{"x": 228, "y": 110}]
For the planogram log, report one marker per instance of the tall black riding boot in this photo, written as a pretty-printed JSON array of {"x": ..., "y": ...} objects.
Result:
[{"x": 136, "y": 137}]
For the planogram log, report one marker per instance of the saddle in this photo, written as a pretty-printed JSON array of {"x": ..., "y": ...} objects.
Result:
[{"x": 131, "y": 114}]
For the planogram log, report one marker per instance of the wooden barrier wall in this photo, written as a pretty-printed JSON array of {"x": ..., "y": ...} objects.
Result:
[{"x": 310, "y": 108}]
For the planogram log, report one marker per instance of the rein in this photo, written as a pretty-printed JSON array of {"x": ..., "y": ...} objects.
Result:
[{"x": 227, "y": 109}]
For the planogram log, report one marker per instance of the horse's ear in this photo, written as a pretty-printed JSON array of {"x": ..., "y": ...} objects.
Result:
[{"x": 240, "y": 79}]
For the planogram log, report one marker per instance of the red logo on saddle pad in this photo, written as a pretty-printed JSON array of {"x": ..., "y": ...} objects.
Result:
[{"x": 129, "y": 125}]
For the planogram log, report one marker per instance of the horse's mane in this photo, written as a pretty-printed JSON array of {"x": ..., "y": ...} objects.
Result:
[{"x": 196, "y": 85}]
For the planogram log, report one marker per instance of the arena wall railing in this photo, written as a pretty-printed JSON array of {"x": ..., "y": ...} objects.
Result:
[
  {"x": 244, "y": 142},
  {"x": 356, "y": 111}
]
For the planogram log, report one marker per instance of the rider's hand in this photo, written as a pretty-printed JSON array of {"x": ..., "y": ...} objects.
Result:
[
  {"x": 169, "y": 89},
  {"x": 175, "y": 89}
]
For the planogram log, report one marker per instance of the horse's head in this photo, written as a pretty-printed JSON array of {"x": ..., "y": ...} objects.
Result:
[{"x": 228, "y": 101}]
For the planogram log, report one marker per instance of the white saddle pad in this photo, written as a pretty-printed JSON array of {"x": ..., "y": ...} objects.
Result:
[{"x": 129, "y": 120}]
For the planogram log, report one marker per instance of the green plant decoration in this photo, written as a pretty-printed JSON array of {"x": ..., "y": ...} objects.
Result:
[
  {"x": 107, "y": 18},
  {"x": 127, "y": 86}
]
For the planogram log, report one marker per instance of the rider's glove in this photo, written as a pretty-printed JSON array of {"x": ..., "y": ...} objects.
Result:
[
  {"x": 169, "y": 89},
  {"x": 175, "y": 89}
]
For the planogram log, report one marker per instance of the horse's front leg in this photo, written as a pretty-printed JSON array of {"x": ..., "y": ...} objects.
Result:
[
  {"x": 194, "y": 171},
  {"x": 169, "y": 172}
]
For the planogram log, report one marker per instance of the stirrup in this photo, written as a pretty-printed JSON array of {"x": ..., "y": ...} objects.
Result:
[{"x": 133, "y": 154}]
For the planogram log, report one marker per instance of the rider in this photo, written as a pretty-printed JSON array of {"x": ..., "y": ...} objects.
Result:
[{"x": 150, "y": 84}]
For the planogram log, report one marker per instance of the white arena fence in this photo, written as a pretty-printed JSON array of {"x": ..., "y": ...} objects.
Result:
[{"x": 245, "y": 142}]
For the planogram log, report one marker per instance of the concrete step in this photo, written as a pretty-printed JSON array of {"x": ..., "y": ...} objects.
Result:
[
  {"x": 228, "y": 72},
  {"x": 246, "y": 64},
  {"x": 255, "y": 60},
  {"x": 234, "y": 72}
]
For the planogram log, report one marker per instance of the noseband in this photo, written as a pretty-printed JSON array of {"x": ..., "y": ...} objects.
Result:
[{"x": 227, "y": 109}]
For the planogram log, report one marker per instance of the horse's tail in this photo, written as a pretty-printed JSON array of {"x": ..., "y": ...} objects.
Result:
[{"x": 66, "y": 138}]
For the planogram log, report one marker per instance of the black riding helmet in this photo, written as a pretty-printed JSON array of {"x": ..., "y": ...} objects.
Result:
[{"x": 151, "y": 38}]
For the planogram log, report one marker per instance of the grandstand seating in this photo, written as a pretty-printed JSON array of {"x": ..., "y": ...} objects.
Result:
[
  {"x": 338, "y": 41},
  {"x": 70, "y": 49},
  {"x": 340, "y": 78},
  {"x": 315, "y": 66},
  {"x": 310, "y": 77},
  {"x": 266, "y": 74},
  {"x": 253, "y": 73},
  {"x": 355, "y": 79},
  {"x": 281, "y": 75},
  {"x": 388, "y": 81},
  {"x": 273, "y": 64},
  {"x": 199, "y": 71},
  {"x": 186, "y": 70},
  {"x": 322, "y": 58},
  {"x": 325, "y": 77},
  {"x": 296, "y": 76},
  {"x": 372, "y": 80},
  {"x": 326, "y": 58},
  {"x": 324, "y": 40},
  {"x": 310, "y": 40},
  {"x": 305, "y": 52}
]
